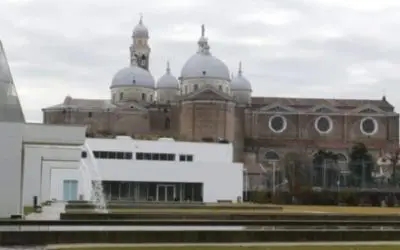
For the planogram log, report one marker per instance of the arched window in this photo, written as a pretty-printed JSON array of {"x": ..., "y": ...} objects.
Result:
[
  {"x": 121, "y": 95},
  {"x": 167, "y": 124},
  {"x": 143, "y": 97},
  {"x": 271, "y": 156},
  {"x": 196, "y": 87}
]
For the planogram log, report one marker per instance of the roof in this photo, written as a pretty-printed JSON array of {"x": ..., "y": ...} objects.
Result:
[
  {"x": 77, "y": 103},
  {"x": 310, "y": 102}
]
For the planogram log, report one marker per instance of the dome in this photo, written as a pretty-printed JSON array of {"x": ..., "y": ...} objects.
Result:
[
  {"x": 133, "y": 76},
  {"x": 140, "y": 30},
  {"x": 203, "y": 64},
  {"x": 167, "y": 81},
  {"x": 240, "y": 82}
]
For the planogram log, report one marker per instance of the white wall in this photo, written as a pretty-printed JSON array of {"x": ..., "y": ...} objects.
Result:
[
  {"x": 201, "y": 151},
  {"x": 54, "y": 134},
  {"x": 53, "y": 156},
  {"x": 220, "y": 180},
  {"x": 11, "y": 168},
  {"x": 48, "y": 168},
  {"x": 57, "y": 178}
]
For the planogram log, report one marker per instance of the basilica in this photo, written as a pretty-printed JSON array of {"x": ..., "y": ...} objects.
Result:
[{"x": 208, "y": 103}]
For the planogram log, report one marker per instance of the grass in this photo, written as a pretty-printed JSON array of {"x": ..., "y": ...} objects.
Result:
[
  {"x": 28, "y": 210},
  {"x": 354, "y": 247},
  {"x": 286, "y": 209},
  {"x": 340, "y": 209}
]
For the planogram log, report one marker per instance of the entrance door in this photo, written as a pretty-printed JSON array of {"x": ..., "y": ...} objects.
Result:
[
  {"x": 70, "y": 190},
  {"x": 165, "y": 192},
  {"x": 124, "y": 188}
]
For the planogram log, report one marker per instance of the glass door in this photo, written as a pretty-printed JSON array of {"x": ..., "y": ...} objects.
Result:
[
  {"x": 124, "y": 190},
  {"x": 161, "y": 191},
  {"x": 170, "y": 193},
  {"x": 165, "y": 192}
]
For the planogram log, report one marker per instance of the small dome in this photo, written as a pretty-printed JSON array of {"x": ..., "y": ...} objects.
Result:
[
  {"x": 140, "y": 30},
  {"x": 240, "y": 82},
  {"x": 203, "y": 64},
  {"x": 133, "y": 76},
  {"x": 168, "y": 81}
]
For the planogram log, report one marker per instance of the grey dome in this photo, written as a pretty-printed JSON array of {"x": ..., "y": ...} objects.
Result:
[
  {"x": 133, "y": 76},
  {"x": 205, "y": 65},
  {"x": 167, "y": 81},
  {"x": 240, "y": 82},
  {"x": 140, "y": 30}
]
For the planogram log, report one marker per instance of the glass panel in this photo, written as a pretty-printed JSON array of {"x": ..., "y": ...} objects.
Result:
[
  {"x": 161, "y": 193},
  {"x": 114, "y": 190},
  {"x": 66, "y": 190},
  {"x": 73, "y": 190},
  {"x": 143, "y": 191},
  {"x": 170, "y": 193},
  {"x": 124, "y": 191},
  {"x": 10, "y": 106}
]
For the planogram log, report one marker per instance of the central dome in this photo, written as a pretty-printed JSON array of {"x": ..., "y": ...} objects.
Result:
[{"x": 205, "y": 65}]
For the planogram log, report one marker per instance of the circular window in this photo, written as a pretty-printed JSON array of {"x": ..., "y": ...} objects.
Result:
[
  {"x": 368, "y": 126},
  {"x": 323, "y": 124},
  {"x": 277, "y": 123}
]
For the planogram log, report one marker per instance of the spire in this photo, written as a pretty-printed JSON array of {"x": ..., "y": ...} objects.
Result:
[
  {"x": 168, "y": 68},
  {"x": 141, "y": 18},
  {"x": 240, "y": 69},
  {"x": 204, "y": 48}
]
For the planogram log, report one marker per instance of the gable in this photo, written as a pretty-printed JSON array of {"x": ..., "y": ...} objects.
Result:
[
  {"x": 208, "y": 94},
  {"x": 323, "y": 109},
  {"x": 368, "y": 109},
  {"x": 277, "y": 108}
]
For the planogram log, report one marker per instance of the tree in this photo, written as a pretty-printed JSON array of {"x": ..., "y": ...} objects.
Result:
[
  {"x": 325, "y": 166},
  {"x": 297, "y": 173},
  {"x": 361, "y": 164}
]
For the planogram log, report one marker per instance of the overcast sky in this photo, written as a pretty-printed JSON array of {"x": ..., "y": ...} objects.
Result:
[{"x": 296, "y": 48}]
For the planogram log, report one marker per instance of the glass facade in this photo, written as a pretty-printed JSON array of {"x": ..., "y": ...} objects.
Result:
[{"x": 153, "y": 191}]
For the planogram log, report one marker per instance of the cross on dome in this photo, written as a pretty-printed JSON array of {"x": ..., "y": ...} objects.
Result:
[
  {"x": 168, "y": 68},
  {"x": 141, "y": 18}
]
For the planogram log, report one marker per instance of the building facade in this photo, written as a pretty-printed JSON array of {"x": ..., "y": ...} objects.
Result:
[
  {"x": 142, "y": 170},
  {"x": 206, "y": 102}
]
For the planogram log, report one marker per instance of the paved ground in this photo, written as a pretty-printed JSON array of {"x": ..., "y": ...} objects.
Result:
[
  {"x": 49, "y": 212},
  {"x": 375, "y": 243}
]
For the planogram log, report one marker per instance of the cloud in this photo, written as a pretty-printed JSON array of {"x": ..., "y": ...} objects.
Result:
[{"x": 310, "y": 48}]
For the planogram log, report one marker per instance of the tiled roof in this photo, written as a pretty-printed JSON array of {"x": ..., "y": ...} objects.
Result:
[
  {"x": 310, "y": 102},
  {"x": 83, "y": 104}
]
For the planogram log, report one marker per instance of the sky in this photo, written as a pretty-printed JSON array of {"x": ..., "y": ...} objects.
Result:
[{"x": 288, "y": 48}]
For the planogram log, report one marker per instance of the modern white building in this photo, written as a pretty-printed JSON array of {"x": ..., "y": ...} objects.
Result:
[
  {"x": 25, "y": 145},
  {"x": 162, "y": 170}
]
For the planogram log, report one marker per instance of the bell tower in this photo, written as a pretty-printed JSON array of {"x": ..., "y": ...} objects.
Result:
[{"x": 140, "y": 49}]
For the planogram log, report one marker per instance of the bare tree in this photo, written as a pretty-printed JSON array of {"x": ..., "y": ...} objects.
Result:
[{"x": 297, "y": 172}]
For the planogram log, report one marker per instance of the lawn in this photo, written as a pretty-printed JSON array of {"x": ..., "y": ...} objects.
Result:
[
  {"x": 354, "y": 247},
  {"x": 286, "y": 209},
  {"x": 340, "y": 209},
  {"x": 28, "y": 210}
]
